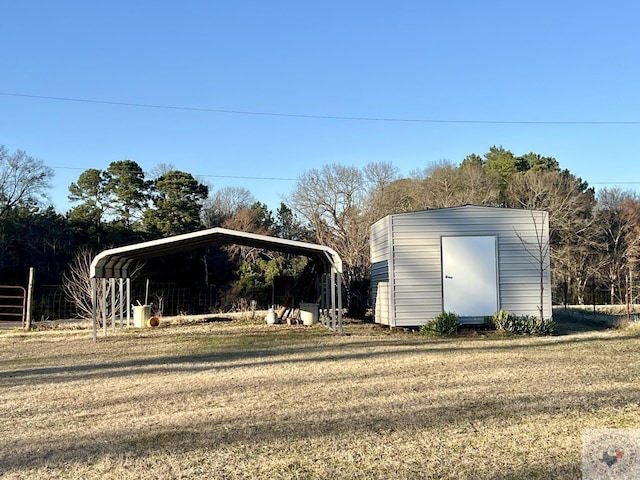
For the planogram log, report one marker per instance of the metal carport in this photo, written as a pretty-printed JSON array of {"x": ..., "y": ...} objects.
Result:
[{"x": 115, "y": 263}]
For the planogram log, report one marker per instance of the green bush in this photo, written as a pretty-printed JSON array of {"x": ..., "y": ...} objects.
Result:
[
  {"x": 444, "y": 324},
  {"x": 505, "y": 321}
]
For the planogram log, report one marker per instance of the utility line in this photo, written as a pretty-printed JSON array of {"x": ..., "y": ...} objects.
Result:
[
  {"x": 613, "y": 183},
  {"x": 283, "y": 179},
  {"x": 323, "y": 117},
  {"x": 240, "y": 177}
]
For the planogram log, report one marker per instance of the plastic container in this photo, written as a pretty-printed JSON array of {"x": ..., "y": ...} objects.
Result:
[
  {"x": 309, "y": 313},
  {"x": 271, "y": 317},
  {"x": 153, "y": 322},
  {"x": 141, "y": 315}
]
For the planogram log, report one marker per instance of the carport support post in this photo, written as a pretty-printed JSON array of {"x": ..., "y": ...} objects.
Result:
[
  {"x": 333, "y": 299},
  {"x": 94, "y": 307},
  {"x": 128, "y": 302},
  {"x": 339, "y": 291},
  {"x": 326, "y": 298},
  {"x": 104, "y": 307},
  {"x": 112, "y": 287},
  {"x": 121, "y": 297}
]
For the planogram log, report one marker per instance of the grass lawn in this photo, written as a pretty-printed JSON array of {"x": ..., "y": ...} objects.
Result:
[{"x": 243, "y": 400}]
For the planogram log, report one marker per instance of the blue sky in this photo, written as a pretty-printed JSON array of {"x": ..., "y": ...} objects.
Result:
[{"x": 451, "y": 64}]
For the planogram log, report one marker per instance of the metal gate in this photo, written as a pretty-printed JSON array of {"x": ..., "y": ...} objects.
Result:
[{"x": 13, "y": 304}]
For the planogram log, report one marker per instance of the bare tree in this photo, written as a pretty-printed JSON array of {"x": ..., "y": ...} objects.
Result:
[
  {"x": 570, "y": 203},
  {"x": 380, "y": 178},
  {"x": 224, "y": 203},
  {"x": 403, "y": 195},
  {"x": 618, "y": 227},
  {"x": 78, "y": 288},
  {"x": 379, "y": 175},
  {"x": 335, "y": 201},
  {"x": 475, "y": 187},
  {"x": 247, "y": 219},
  {"x": 23, "y": 180},
  {"x": 540, "y": 253},
  {"x": 160, "y": 170},
  {"x": 441, "y": 185}
]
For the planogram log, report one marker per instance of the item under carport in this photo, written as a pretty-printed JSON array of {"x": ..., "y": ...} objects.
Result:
[
  {"x": 271, "y": 317},
  {"x": 141, "y": 315},
  {"x": 153, "y": 322},
  {"x": 309, "y": 313}
]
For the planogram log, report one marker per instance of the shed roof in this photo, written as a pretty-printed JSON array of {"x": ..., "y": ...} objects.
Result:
[
  {"x": 465, "y": 207},
  {"x": 114, "y": 263}
]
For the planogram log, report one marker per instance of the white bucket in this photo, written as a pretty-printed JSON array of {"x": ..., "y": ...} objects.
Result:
[
  {"x": 141, "y": 314},
  {"x": 309, "y": 313},
  {"x": 271, "y": 317}
]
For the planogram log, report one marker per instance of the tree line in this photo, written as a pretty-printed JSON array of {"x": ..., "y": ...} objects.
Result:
[{"x": 595, "y": 236}]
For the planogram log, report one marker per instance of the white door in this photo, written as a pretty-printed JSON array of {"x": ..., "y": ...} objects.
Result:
[{"x": 469, "y": 276}]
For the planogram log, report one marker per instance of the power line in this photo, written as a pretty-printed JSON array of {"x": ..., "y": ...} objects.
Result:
[
  {"x": 238, "y": 177},
  {"x": 246, "y": 178},
  {"x": 323, "y": 117},
  {"x": 614, "y": 183},
  {"x": 283, "y": 179}
]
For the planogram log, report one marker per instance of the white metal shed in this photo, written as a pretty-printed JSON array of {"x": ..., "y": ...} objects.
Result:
[
  {"x": 115, "y": 263},
  {"x": 470, "y": 260}
]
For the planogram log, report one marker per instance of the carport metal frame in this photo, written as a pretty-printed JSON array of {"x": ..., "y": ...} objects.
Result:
[{"x": 115, "y": 263}]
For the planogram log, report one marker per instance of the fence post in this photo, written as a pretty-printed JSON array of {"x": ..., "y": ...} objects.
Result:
[{"x": 29, "y": 299}]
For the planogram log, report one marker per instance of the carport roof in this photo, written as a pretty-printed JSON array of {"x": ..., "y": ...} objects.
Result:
[{"x": 114, "y": 263}]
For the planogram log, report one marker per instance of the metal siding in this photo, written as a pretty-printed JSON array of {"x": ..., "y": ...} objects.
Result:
[
  {"x": 417, "y": 267},
  {"x": 380, "y": 271},
  {"x": 380, "y": 254},
  {"x": 381, "y": 303},
  {"x": 415, "y": 259},
  {"x": 519, "y": 269},
  {"x": 379, "y": 240}
]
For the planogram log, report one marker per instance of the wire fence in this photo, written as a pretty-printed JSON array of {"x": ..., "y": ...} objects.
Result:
[
  {"x": 172, "y": 299},
  {"x": 51, "y": 302}
]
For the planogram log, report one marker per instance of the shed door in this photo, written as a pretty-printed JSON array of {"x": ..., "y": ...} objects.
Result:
[{"x": 469, "y": 276}]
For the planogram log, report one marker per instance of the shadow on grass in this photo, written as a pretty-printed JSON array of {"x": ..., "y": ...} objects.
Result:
[
  {"x": 575, "y": 320},
  {"x": 460, "y": 414},
  {"x": 245, "y": 351}
]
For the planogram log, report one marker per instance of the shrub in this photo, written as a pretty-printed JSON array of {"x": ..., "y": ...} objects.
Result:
[
  {"x": 444, "y": 324},
  {"x": 505, "y": 321},
  {"x": 541, "y": 327}
]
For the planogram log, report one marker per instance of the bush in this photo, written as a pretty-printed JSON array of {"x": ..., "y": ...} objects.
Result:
[
  {"x": 505, "y": 321},
  {"x": 444, "y": 324}
]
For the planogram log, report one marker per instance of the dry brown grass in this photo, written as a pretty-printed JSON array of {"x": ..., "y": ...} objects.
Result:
[{"x": 239, "y": 399}]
